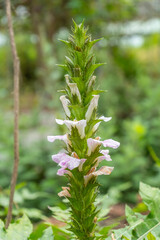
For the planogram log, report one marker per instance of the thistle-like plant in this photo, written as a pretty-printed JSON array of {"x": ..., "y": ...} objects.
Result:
[{"x": 80, "y": 160}]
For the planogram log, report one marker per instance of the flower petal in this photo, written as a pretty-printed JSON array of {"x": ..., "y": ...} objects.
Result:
[
  {"x": 58, "y": 157},
  {"x": 102, "y": 118},
  {"x": 73, "y": 163},
  {"x": 105, "y": 170},
  {"x": 106, "y": 156},
  {"x": 110, "y": 143},
  {"x": 80, "y": 125},
  {"x": 92, "y": 145},
  {"x": 61, "y": 171},
  {"x": 59, "y": 137},
  {"x": 105, "y": 119}
]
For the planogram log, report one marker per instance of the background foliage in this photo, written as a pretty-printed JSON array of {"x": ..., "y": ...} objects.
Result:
[{"x": 130, "y": 47}]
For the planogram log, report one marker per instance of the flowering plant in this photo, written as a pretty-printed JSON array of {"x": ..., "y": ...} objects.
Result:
[{"x": 79, "y": 161}]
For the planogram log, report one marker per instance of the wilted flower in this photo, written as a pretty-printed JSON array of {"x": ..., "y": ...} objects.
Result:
[
  {"x": 64, "y": 192},
  {"x": 105, "y": 170}
]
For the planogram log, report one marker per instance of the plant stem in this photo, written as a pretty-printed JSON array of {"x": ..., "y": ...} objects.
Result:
[{"x": 16, "y": 68}]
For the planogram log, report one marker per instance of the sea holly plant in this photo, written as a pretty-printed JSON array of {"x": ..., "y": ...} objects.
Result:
[{"x": 84, "y": 150}]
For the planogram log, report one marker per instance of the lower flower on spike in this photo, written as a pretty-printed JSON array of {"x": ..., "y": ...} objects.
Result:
[
  {"x": 105, "y": 170},
  {"x": 64, "y": 192},
  {"x": 66, "y": 162},
  {"x": 94, "y": 143}
]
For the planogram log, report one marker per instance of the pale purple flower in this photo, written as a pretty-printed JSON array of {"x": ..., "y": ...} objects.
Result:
[
  {"x": 61, "y": 171},
  {"x": 74, "y": 90},
  {"x": 58, "y": 157},
  {"x": 110, "y": 143},
  {"x": 94, "y": 143},
  {"x": 66, "y": 161},
  {"x": 106, "y": 155},
  {"x": 65, "y": 103},
  {"x": 80, "y": 125},
  {"x": 93, "y": 105}
]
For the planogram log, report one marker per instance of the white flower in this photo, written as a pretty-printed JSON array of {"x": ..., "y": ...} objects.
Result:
[
  {"x": 94, "y": 143},
  {"x": 93, "y": 105},
  {"x": 105, "y": 119},
  {"x": 65, "y": 103},
  {"x": 74, "y": 90},
  {"x": 80, "y": 125}
]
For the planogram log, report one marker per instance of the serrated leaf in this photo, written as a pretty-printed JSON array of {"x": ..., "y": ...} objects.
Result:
[
  {"x": 144, "y": 228},
  {"x": 151, "y": 197},
  {"x": 131, "y": 216},
  {"x": 47, "y": 234},
  {"x": 59, "y": 214},
  {"x": 19, "y": 230}
]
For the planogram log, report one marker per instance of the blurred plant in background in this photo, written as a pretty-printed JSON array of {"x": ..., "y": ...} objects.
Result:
[{"x": 131, "y": 76}]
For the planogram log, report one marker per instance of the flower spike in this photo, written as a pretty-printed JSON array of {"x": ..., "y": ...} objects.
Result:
[{"x": 80, "y": 163}]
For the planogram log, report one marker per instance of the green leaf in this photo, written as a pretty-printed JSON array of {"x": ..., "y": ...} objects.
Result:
[
  {"x": 94, "y": 41},
  {"x": 131, "y": 216},
  {"x": 63, "y": 66},
  {"x": 48, "y": 234},
  {"x": 2, "y": 231},
  {"x": 91, "y": 69},
  {"x": 150, "y": 236},
  {"x": 19, "y": 230},
  {"x": 59, "y": 214},
  {"x": 148, "y": 226},
  {"x": 151, "y": 197}
]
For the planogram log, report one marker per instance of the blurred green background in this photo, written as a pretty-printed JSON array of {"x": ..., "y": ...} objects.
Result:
[{"x": 131, "y": 49}]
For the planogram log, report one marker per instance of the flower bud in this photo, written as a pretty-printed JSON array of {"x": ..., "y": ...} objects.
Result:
[
  {"x": 65, "y": 103},
  {"x": 93, "y": 105},
  {"x": 74, "y": 90}
]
